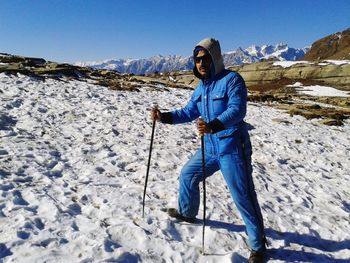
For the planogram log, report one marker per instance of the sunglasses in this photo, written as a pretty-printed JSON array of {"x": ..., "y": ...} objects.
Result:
[{"x": 204, "y": 59}]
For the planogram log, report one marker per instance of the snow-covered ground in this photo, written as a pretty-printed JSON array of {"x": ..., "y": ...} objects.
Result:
[
  {"x": 72, "y": 166},
  {"x": 319, "y": 91},
  {"x": 287, "y": 64}
]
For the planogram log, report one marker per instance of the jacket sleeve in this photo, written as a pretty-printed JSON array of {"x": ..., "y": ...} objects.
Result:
[
  {"x": 187, "y": 114},
  {"x": 237, "y": 102}
]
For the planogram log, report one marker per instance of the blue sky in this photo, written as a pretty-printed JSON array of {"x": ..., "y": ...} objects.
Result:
[{"x": 84, "y": 30}]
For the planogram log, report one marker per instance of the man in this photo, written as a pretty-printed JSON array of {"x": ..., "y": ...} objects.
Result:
[{"x": 220, "y": 99}]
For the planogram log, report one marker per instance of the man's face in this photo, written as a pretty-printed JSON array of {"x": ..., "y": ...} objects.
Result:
[{"x": 203, "y": 62}]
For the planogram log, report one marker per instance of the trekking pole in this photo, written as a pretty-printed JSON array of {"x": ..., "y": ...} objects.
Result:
[
  {"x": 204, "y": 192},
  {"x": 148, "y": 165}
]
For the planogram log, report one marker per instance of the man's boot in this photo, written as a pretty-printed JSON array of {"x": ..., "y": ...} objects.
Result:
[{"x": 172, "y": 212}]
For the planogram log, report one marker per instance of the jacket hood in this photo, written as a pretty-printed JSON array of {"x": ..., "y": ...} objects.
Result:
[{"x": 213, "y": 47}]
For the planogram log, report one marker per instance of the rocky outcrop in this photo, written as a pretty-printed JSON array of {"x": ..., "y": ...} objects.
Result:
[
  {"x": 335, "y": 46},
  {"x": 38, "y": 67},
  {"x": 42, "y": 69},
  {"x": 324, "y": 73},
  {"x": 310, "y": 108}
]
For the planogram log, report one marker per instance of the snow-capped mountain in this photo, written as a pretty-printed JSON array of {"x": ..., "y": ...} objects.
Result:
[
  {"x": 256, "y": 53},
  {"x": 174, "y": 63},
  {"x": 143, "y": 66}
]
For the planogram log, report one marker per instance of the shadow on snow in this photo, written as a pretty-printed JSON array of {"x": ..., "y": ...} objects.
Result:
[{"x": 305, "y": 240}]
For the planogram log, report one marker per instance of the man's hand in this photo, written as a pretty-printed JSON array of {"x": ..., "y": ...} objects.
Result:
[
  {"x": 202, "y": 127},
  {"x": 155, "y": 113}
]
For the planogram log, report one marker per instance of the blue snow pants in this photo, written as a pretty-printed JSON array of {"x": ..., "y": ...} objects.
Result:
[{"x": 237, "y": 171}]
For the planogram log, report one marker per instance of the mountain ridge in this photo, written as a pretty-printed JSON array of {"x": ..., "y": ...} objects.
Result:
[
  {"x": 170, "y": 63},
  {"x": 334, "y": 46}
]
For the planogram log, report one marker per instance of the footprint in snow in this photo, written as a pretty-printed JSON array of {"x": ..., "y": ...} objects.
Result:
[
  {"x": 4, "y": 251},
  {"x": 18, "y": 199},
  {"x": 23, "y": 234},
  {"x": 6, "y": 187},
  {"x": 14, "y": 104},
  {"x": 74, "y": 209},
  {"x": 39, "y": 223},
  {"x": 6, "y": 122},
  {"x": 110, "y": 245},
  {"x": 4, "y": 173},
  {"x": 3, "y": 152}
]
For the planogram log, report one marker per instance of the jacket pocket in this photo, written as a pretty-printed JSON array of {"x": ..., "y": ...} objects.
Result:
[
  {"x": 229, "y": 142},
  {"x": 219, "y": 102}
]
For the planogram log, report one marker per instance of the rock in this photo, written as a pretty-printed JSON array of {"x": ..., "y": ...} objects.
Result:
[
  {"x": 260, "y": 74},
  {"x": 7, "y": 58},
  {"x": 315, "y": 111},
  {"x": 283, "y": 121},
  {"x": 315, "y": 107},
  {"x": 331, "y": 122}
]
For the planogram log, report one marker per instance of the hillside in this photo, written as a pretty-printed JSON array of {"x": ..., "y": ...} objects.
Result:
[{"x": 334, "y": 46}]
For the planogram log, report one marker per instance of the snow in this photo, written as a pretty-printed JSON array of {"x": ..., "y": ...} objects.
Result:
[
  {"x": 319, "y": 91},
  {"x": 172, "y": 79},
  {"x": 338, "y": 62},
  {"x": 296, "y": 84},
  {"x": 287, "y": 64},
  {"x": 73, "y": 161}
]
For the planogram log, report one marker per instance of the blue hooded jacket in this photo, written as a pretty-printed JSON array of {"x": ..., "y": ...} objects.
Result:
[{"x": 221, "y": 101}]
